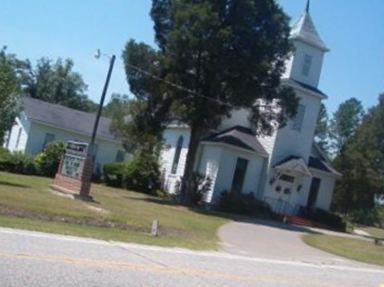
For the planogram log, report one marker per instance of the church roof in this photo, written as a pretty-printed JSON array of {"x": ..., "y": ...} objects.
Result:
[
  {"x": 66, "y": 118},
  {"x": 238, "y": 136},
  {"x": 318, "y": 160},
  {"x": 294, "y": 165},
  {"x": 294, "y": 83},
  {"x": 305, "y": 30}
]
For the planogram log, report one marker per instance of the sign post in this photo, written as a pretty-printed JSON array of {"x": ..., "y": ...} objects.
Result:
[{"x": 75, "y": 171}]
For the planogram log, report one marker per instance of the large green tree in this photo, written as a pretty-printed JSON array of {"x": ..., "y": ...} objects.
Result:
[
  {"x": 116, "y": 105},
  {"x": 9, "y": 91},
  {"x": 219, "y": 55},
  {"x": 56, "y": 82},
  {"x": 345, "y": 122},
  {"x": 322, "y": 129},
  {"x": 144, "y": 118},
  {"x": 361, "y": 161}
]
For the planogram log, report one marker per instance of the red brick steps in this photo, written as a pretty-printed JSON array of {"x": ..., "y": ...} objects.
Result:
[{"x": 299, "y": 221}]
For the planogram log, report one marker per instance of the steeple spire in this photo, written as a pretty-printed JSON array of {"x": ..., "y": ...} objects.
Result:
[
  {"x": 308, "y": 6},
  {"x": 305, "y": 30}
]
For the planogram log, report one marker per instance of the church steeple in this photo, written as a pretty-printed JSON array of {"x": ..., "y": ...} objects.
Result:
[
  {"x": 308, "y": 6},
  {"x": 306, "y": 61},
  {"x": 305, "y": 30}
]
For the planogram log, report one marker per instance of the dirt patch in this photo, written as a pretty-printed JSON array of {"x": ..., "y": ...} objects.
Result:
[{"x": 95, "y": 222}]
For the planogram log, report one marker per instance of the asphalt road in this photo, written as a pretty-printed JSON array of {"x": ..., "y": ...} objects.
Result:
[{"x": 37, "y": 259}]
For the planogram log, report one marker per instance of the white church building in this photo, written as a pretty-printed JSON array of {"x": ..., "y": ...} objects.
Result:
[{"x": 286, "y": 169}]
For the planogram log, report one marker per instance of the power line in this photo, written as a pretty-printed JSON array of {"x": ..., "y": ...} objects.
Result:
[{"x": 181, "y": 88}]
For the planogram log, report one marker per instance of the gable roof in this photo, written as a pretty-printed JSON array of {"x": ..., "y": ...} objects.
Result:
[
  {"x": 66, "y": 118},
  {"x": 322, "y": 165},
  {"x": 295, "y": 165},
  {"x": 319, "y": 161},
  {"x": 305, "y": 30},
  {"x": 316, "y": 161},
  {"x": 238, "y": 136}
]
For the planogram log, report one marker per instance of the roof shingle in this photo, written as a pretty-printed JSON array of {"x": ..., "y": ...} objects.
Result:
[
  {"x": 240, "y": 137},
  {"x": 66, "y": 118}
]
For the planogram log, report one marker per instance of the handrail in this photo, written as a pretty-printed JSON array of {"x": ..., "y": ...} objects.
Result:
[{"x": 281, "y": 207}]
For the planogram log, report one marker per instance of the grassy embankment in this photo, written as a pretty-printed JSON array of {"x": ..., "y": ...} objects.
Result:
[{"x": 26, "y": 202}]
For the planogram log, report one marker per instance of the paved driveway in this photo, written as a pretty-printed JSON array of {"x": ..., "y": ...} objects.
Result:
[{"x": 273, "y": 240}]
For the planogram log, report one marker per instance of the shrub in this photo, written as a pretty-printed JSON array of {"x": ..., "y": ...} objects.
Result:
[
  {"x": 370, "y": 217},
  {"x": 48, "y": 161},
  {"x": 4, "y": 153},
  {"x": 245, "y": 204},
  {"x": 329, "y": 219},
  {"x": 200, "y": 185},
  {"x": 142, "y": 173},
  {"x": 4, "y": 158},
  {"x": 114, "y": 174},
  {"x": 17, "y": 162}
]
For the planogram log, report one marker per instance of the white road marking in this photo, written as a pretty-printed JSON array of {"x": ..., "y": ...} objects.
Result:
[{"x": 182, "y": 251}]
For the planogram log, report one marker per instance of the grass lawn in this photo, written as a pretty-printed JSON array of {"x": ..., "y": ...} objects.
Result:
[
  {"x": 373, "y": 231},
  {"x": 26, "y": 202},
  {"x": 355, "y": 249}
]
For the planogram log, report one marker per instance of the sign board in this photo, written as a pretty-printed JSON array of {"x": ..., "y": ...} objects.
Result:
[
  {"x": 77, "y": 148},
  {"x": 74, "y": 158}
]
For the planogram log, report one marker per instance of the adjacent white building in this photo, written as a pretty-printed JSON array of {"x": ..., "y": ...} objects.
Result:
[
  {"x": 286, "y": 169},
  {"x": 40, "y": 123}
]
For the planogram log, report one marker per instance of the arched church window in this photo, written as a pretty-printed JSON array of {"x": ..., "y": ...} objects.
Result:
[{"x": 176, "y": 157}]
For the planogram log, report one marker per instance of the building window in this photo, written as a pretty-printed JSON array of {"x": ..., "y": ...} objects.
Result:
[
  {"x": 307, "y": 65},
  {"x": 297, "y": 121},
  {"x": 8, "y": 137},
  {"x": 239, "y": 176},
  {"x": 287, "y": 178},
  {"x": 18, "y": 138},
  {"x": 176, "y": 158},
  {"x": 120, "y": 156},
  {"x": 48, "y": 139}
]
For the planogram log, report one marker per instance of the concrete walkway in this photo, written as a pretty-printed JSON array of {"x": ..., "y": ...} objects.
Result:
[{"x": 274, "y": 240}]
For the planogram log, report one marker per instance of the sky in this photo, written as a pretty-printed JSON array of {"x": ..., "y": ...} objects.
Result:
[{"x": 352, "y": 29}]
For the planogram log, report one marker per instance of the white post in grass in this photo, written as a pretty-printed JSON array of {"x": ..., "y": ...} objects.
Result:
[{"x": 155, "y": 228}]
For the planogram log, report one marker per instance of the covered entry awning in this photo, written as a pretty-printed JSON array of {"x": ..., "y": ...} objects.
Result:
[{"x": 293, "y": 165}]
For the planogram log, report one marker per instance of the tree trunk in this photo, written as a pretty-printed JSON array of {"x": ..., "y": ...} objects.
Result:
[{"x": 187, "y": 186}]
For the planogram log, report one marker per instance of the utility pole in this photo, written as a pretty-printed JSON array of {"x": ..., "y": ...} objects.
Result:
[
  {"x": 97, "y": 120},
  {"x": 76, "y": 175}
]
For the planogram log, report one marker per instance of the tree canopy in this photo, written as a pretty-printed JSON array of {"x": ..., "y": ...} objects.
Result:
[
  {"x": 9, "y": 90},
  {"x": 345, "y": 122},
  {"x": 212, "y": 57},
  {"x": 57, "y": 83},
  {"x": 322, "y": 129},
  {"x": 361, "y": 161}
]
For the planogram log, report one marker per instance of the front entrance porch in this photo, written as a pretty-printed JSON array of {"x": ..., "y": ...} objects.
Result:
[{"x": 288, "y": 186}]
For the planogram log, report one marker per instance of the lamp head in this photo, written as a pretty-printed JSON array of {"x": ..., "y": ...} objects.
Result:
[{"x": 97, "y": 54}]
